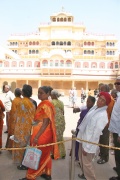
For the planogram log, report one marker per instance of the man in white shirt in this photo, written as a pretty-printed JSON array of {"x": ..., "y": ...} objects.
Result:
[
  {"x": 114, "y": 127},
  {"x": 90, "y": 130},
  {"x": 7, "y": 103}
]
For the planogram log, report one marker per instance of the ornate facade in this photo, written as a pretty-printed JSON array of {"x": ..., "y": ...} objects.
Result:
[{"x": 61, "y": 54}]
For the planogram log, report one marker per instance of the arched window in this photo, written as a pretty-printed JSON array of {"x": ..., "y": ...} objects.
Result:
[
  {"x": 64, "y": 43},
  {"x": 107, "y": 43},
  {"x": 88, "y": 43},
  {"x": 113, "y": 52},
  {"x": 54, "y": 19},
  {"x": 77, "y": 64},
  {"x": 29, "y": 64},
  {"x": 21, "y": 64},
  {"x": 51, "y": 63},
  {"x": 45, "y": 63},
  {"x": 58, "y": 20},
  {"x": 113, "y": 44},
  {"x": 92, "y": 43},
  {"x": 88, "y": 52},
  {"x": 107, "y": 52},
  {"x": 14, "y": 64},
  {"x": 85, "y": 65},
  {"x": 93, "y": 65},
  {"x": 92, "y": 52},
  {"x": 110, "y": 65},
  {"x": 110, "y": 44},
  {"x": 33, "y": 51},
  {"x": 57, "y": 43},
  {"x": 37, "y": 52},
  {"x": 65, "y": 19},
  {"x": 69, "y": 43},
  {"x": 61, "y": 43},
  {"x": 116, "y": 65},
  {"x": 29, "y": 51},
  {"x": 37, "y": 43},
  {"x": 53, "y": 43},
  {"x": 61, "y": 19},
  {"x": 56, "y": 63},
  {"x": 61, "y": 63},
  {"x": 6, "y": 63},
  {"x": 30, "y": 43},
  {"x": 110, "y": 52},
  {"x": 69, "y": 19},
  {"x": 68, "y": 63},
  {"x": 102, "y": 65},
  {"x": 85, "y": 52},
  {"x": 37, "y": 64},
  {"x": 85, "y": 43}
]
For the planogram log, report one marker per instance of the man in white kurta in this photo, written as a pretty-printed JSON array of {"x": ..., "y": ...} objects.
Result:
[{"x": 90, "y": 130}]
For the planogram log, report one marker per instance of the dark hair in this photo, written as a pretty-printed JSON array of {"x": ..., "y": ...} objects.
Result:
[
  {"x": 107, "y": 88},
  {"x": 50, "y": 89},
  {"x": 27, "y": 90},
  {"x": 46, "y": 89},
  {"x": 18, "y": 92},
  {"x": 92, "y": 98}
]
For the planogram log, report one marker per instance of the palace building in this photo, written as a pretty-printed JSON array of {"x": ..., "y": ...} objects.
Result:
[{"x": 61, "y": 54}]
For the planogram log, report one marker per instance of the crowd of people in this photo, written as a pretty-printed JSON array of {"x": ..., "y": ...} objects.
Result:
[
  {"x": 100, "y": 124},
  {"x": 32, "y": 124},
  {"x": 29, "y": 123}
]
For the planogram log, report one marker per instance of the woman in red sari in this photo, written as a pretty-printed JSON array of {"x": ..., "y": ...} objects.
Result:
[
  {"x": 44, "y": 132},
  {"x": 2, "y": 109}
]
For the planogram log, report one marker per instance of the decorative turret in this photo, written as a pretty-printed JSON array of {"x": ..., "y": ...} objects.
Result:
[{"x": 62, "y": 16}]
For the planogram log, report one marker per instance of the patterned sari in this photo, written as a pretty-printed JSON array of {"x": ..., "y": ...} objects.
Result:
[
  {"x": 44, "y": 110},
  {"x": 24, "y": 118},
  {"x": 11, "y": 120},
  {"x": 60, "y": 124},
  {"x": 1, "y": 121}
]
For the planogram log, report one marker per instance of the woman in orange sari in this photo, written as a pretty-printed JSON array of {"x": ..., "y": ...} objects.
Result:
[
  {"x": 2, "y": 109},
  {"x": 44, "y": 132},
  {"x": 12, "y": 116}
]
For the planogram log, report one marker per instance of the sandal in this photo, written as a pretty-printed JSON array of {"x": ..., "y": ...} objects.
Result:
[
  {"x": 21, "y": 167},
  {"x": 101, "y": 161},
  {"x": 81, "y": 176},
  {"x": 46, "y": 177}
]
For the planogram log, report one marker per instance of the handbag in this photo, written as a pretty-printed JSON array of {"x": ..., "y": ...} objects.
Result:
[{"x": 32, "y": 158}]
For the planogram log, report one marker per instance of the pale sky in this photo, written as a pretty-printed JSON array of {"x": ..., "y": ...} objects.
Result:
[{"x": 24, "y": 16}]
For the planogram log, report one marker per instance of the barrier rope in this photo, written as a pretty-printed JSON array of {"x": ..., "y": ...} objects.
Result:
[{"x": 51, "y": 144}]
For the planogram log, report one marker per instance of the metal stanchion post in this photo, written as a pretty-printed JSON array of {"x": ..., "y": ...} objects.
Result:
[{"x": 72, "y": 163}]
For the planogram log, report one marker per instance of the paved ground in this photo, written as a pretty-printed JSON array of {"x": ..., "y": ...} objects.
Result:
[{"x": 8, "y": 170}]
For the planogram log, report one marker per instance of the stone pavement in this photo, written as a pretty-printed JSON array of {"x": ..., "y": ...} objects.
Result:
[{"x": 8, "y": 170}]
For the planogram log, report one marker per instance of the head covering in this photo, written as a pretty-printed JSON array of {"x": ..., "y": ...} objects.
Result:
[
  {"x": 106, "y": 96},
  {"x": 55, "y": 93}
]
